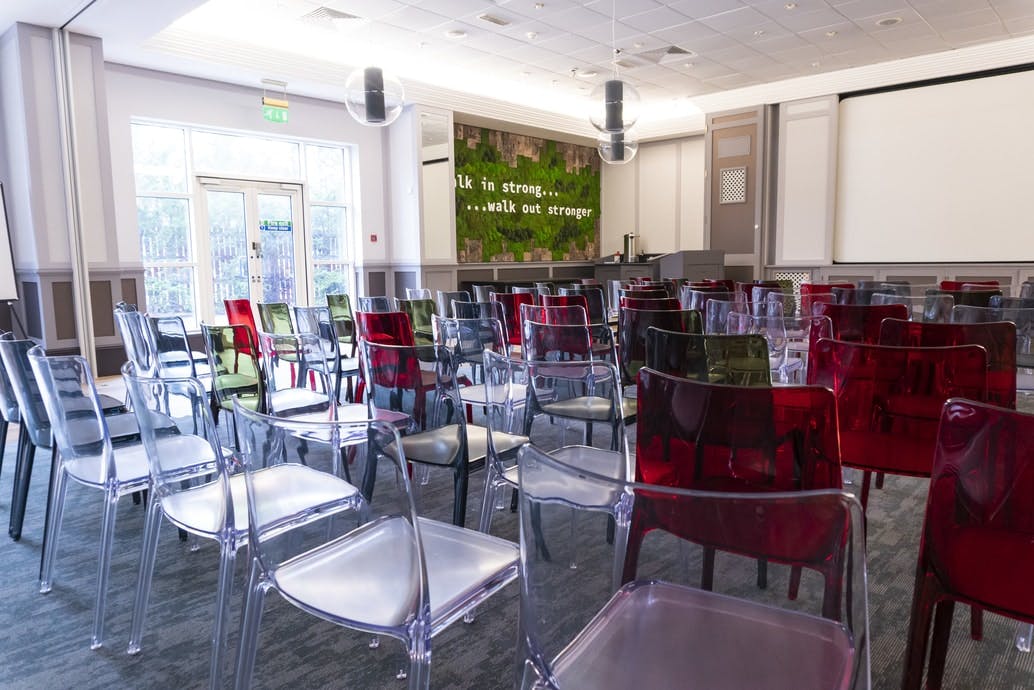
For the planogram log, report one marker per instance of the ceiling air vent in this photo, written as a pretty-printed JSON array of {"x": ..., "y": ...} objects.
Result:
[
  {"x": 667, "y": 55},
  {"x": 492, "y": 19},
  {"x": 330, "y": 18}
]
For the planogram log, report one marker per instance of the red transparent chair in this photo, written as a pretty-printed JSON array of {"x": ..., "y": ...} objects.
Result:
[
  {"x": 715, "y": 437},
  {"x": 637, "y": 293},
  {"x": 396, "y": 574},
  {"x": 810, "y": 299},
  {"x": 978, "y": 531},
  {"x": 889, "y": 400},
  {"x": 511, "y": 303},
  {"x": 997, "y": 338},
  {"x": 573, "y": 315},
  {"x": 859, "y": 323},
  {"x": 239, "y": 313},
  {"x": 961, "y": 284},
  {"x": 738, "y": 360},
  {"x": 632, "y": 327},
  {"x": 572, "y": 300},
  {"x": 389, "y": 327},
  {"x": 524, "y": 290},
  {"x": 659, "y": 632},
  {"x": 653, "y": 303}
]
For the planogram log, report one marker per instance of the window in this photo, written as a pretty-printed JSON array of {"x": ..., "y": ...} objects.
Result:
[{"x": 166, "y": 159}]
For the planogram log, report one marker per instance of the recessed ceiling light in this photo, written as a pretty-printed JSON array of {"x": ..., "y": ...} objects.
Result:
[
  {"x": 638, "y": 44},
  {"x": 831, "y": 34},
  {"x": 816, "y": 64},
  {"x": 539, "y": 5},
  {"x": 759, "y": 32},
  {"x": 688, "y": 65},
  {"x": 531, "y": 35},
  {"x": 888, "y": 21},
  {"x": 790, "y": 6},
  {"x": 455, "y": 33},
  {"x": 422, "y": 44},
  {"x": 525, "y": 75},
  {"x": 584, "y": 73}
]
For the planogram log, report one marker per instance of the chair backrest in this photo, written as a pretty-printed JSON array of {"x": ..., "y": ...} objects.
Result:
[
  {"x": 238, "y": 311},
  {"x": 860, "y": 323},
  {"x": 554, "y": 342},
  {"x": 317, "y": 321},
  {"x": 545, "y": 288},
  {"x": 933, "y": 308},
  {"x": 695, "y": 298},
  {"x": 8, "y": 401},
  {"x": 973, "y": 298},
  {"x": 763, "y": 295},
  {"x": 1027, "y": 289},
  {"x": 446, "y": 298},
  {"x": 375, "y": 304},
  {"x": 233, "y": 359},
  {"x": 632, "y": 327},
  {"x": 174, "y": 356},
  {"x": 552, "y": 384},
  {"x": 651, "y": 303},
  {"x": 137, "y": 339},
  {"x": 889, "y": 399},
  {"x": 524, "y": 290},
  {"x": 1011, "y": 302},
  {"x": 418, "y": 293},
  {"x": 978, "y": 523},
  {"x": 269, "y": 443},
  {"x": 574, "y": 300},
  {"x": 716, "y": 313},
  {"x": 80, "y": 432},
  {"x": 739, "y": 360},
  {"x": 560, "y": 315},
  {"x": 180, "y": 439},
  {"x": 961, "y": 284},
  {"x": 392, "y": 327},
  {"x": 507, "y": 386},
  {"x": 997, "y": 338},
  {"x": 483, "y": 293},
  {"x": 308, "y": 352},
  {"x": 344, "y": 320},
  {"x": 15, "y": 355},
  {"x": 468, "y": 339},
  {"x": 419, "y": 312},
  {"x": 698, "y": 435},
  {"x": 595, "y": 301},
  {"x": 511, "y": 303},
  {"x": 477, "y": 310},
  {"x": 275, "y": 317},
  {"x": 628, "y": 628},
  {"x": 637, "y": 293},
  {"x": 1022, "y": 317},
  {"x": 857, "y": 295}
]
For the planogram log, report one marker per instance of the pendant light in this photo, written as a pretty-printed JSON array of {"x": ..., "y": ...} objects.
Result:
[
  {"x": 616, "y": 110},
  {"x": 373, "y": 98}
]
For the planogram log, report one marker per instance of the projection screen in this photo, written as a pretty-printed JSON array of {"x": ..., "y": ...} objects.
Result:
[{"x": 941, "y": 173}]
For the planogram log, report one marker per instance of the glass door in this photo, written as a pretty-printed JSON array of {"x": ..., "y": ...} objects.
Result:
[{"x": 254, "y": 241}]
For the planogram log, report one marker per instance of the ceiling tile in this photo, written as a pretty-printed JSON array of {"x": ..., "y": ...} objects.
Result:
[
  {"x": 1013, "y": 9},
  {"x": 733, "y": 81},
  {"x": 493, "y": 42},
  {"x": 771, "y": 45},
  {"x": 580, "y": 17},
  {"x": 860, "y": 9},
  {"x": 527, "y": 7},
  {"x": 758, "y": 33},
  {"x": 706, "y": 69},
  {"x": 656, "y": 20},
  {"x": 704, "y": 8},
  {"x": 798, "y": 56},
  {"x": 706, "y": 46},
  {"x": 971, "y": 34},
  {"x": 954, "y": 22},
  {"x": 944, "y": 8},
  {"x": 918, "y": 46},
  {"x": 367, "y": 9},
  {"x": 685, "y": 32},
  {"x": 1018, "y": 27},
  {"x": 566, "y": 43},
  {"x": 457, "y": 9},
  {"x": 603, "y": 32},
  {"x": 776, "y": 9},
  {"x": 810, "y": 20},
  {"x": 727, "y": 21},
  {"x": 598, "y": 54},
  {"x": 415, "y": 19},
  {"x": 627, "y": 9},
  {"x": 904, "y": 32}
]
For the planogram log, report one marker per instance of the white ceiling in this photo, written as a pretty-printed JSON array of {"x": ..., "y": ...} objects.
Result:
[{"x": 684, "y": 56}]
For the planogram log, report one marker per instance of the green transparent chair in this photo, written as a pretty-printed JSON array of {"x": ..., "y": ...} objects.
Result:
[
  {"x": 233, "y": 361},
  {"x": 420, "y": 312}
]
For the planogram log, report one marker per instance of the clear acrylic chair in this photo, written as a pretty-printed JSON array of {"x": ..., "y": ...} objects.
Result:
[
  {"x": 84, "y": 453},
  {"x": 658, "y": 631},
  {"x": 509, "y": 385},
  {"x": 317, "y": 321},
  {"x": 396, "y": 575},
  {"x": 445, "y": 299},
  {"x": 193, "y": 485},
  {"x": 716, "y": 313},
  {"x": 375, "y": 304},
  {"x": 418, "y": 293}
]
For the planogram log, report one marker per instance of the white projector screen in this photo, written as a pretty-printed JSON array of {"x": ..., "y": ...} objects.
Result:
[{"x": 940, "y": 173}]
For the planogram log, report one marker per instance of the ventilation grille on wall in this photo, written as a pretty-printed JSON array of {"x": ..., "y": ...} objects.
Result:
[{"x": 732, "y": 185}]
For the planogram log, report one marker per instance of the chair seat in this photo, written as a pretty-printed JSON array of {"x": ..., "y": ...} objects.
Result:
[
  {"x": 349, "y": 366},
  {"x": 477, "y": 442},
  {"x": 294, "y": 487},
  {"x": 662, "y": 635},
  {"x": 607, "y": 463},
  {"x": 131, "y": 464},
  {"x": 461, "y": 566},
  {"x": 294, "y": 401},
  {"x": 477, "y": 395},
  {"x": 585, "y": 407}
]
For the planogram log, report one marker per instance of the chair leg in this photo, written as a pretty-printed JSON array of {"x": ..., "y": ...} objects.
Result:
[
  {"x": 923, "y": 602},
  {"x": 227, "y": 558},
  {"x": 762, "y": 573},
  {"x": 939, "y": 645},
  {"x": 51, "y": 532},
  {"x": 104, "y": 567},
  {"x": 55, "y": 472},
  {"x": 250, "y": 620},
  {"x": 707, "y": 574},
  {"x": 976, "y": 623},
  {"x": 488, "y": 501},
  {"x": 795, "y": 582},
  {"x": 420, "y": 658},
  {"x": 3, "y": 441},
  {"x": 152, "y": 526},
  {"x": 20, "y": 491},
  {"x": 459, "y": 507},
  {"x": 879, "y": 479},
  {"x": 866, "y": 481}
]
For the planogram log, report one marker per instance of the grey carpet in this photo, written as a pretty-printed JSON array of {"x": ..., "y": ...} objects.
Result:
[{"x": 44, "y": 640}]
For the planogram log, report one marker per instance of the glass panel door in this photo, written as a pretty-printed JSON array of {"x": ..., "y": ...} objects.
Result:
[{"x": 254, "y": 239}]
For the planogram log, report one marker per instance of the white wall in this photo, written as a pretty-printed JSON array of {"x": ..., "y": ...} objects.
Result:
[
  {"x": 135, "y": 92},
  {"x": 659, "y": 195}
]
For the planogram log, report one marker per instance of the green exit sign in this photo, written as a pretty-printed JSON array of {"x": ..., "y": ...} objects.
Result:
[{"x": 274, "y": 113}]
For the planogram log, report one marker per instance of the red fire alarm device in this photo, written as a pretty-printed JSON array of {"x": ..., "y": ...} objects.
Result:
[{"x": 373, "y": 238}]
